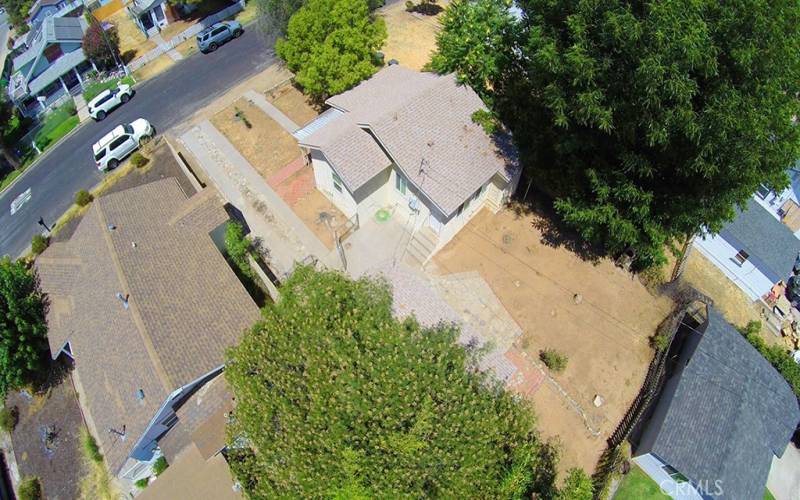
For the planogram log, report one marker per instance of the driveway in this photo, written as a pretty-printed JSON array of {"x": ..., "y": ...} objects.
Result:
[
  {"x": 784, "y": 476},
  {"x": 165, "y": 101}
]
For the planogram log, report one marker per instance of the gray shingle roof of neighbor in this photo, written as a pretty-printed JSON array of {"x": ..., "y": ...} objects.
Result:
[
  {"x": 731, "y": 412},
  {"x": 52, "y": 30},
  {"x": 185, "y": 304},
  {"x": 771, "y": 246},
  {"x": 423, "y": 123}
]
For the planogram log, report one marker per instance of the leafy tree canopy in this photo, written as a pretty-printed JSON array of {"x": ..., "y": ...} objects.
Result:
[
  {"x": 644, "y": 120},
  {"x": 274, "y": 15},
  {"x": 17, "y": 11},
  {"x": 337, "y": 398},
  {"x": 23, "y": 331},
  {"x": 331, "y": 44},
  {"x": 99, "y": 46}
]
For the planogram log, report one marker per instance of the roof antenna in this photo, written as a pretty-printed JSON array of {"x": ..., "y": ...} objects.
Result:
[
  {"x": 422, "y": 164},
  {"x": 124, "y": 299},
  {"x": 121, "y": 433}
]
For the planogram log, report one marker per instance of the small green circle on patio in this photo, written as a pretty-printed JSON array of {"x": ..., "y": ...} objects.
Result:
[{"x": 382, "y": 215}]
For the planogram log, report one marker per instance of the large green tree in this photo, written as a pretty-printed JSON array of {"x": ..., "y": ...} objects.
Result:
[
  {"x": 644, "y": 120},
  {"x": 23, "y": 331},
  {"x": 274, "y": 15},
  {"x": 331, "y": 44},
  {"x": 336, "y": 398}
]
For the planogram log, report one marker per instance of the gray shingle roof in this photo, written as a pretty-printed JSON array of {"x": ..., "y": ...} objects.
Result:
[
  {"x": 423, "y": 121},
  {"x": 52, "y": 30},
  {"x": 730, "y": 413},
  {"x": 770, "y": 244},
  {"x": 186, "y": 305}
]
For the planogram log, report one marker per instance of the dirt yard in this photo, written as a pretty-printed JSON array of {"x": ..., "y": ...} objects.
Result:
[
  {"x": 411, "y": 36},
  {"x": 265, "y": 145},
  {"x": 604, "y": 332},
  {"x": 292, "y": 103},
  {"x": 46, "y": 438},
  {"x": 132, "y": 42}
]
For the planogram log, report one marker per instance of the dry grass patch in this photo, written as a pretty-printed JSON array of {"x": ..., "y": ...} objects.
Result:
[
  {"x": 187, "y": 48},
  {"x": 154, "y": 67},
  {"x": 604, "y": 331},
  {"x": 264, "y": 144},
  {"x": 132, "y": 42},
  {"x": 292, "y": 103},
  {"x": 319, "y": 215},
  {"x": 411, "y": 37}
]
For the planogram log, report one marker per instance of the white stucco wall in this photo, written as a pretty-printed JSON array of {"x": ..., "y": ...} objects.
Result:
[
  {"x": 746, "y": 276},
  {"x": 323, "y": 177},
  {"x": 653, "y": 467}
]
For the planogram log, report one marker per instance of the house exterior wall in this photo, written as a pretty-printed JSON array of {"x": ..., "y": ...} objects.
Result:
[
  {"x": 654, "y": 468},
  {"x": 746, "y": 276},
  {"x": 323, "y": 178}
]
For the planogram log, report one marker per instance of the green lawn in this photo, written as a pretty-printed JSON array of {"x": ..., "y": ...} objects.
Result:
[
  {"x": 768, "y": 495},
  {"x": 92, "y": 90},
  {"x": 636, "y": 485},
  {"x": 56, "y": 125}
]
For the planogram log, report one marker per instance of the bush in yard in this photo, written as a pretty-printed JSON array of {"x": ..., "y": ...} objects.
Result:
[
  {"x": 160, "y": 465},
  {"x": 139, "y": 160},
  {"x": 336, "y": 398},
  {"x": 777, "y": 356},
  {"x": 238, "y": 247},
  {"x": 554, "y": 360},
  {"x": 142, "y": 483},
  {"x": 89, "y": 446},
  {"x": 577, "y": 486},
  {"x": 30, "y": 488},
  {"x": 83, "y": 198},
  {"x": 9, "y": 418},
  {"x": 39, "y": 244},
  {"x": 330, "y": 45},
  {"x": 102, "y": 48},
  {"x": 23, "y": 331}
]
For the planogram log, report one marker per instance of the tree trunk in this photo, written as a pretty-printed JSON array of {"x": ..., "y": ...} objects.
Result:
[{"x": 10, "y": 156}]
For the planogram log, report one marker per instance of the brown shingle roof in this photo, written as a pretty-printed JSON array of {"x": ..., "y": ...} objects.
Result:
[
  {"x": 186, "y": 305},
  {"x": 424, "y": 123}
]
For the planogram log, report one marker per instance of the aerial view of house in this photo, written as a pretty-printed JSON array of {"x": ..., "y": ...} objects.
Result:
[
  {"x": 143, "y": 301},
  {"x": 722, "y": 416}
]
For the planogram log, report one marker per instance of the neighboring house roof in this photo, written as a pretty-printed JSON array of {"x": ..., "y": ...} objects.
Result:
[
  {"x": 137, "y": 7},
  {"x": 58, "y": 68},
  {"x": 423, "y": 123},
  {"x": 730, "y": 413},
  {"x": 771, "y": 246},
  {"x": 186, "y": 306},
  {"x": 42, "y": 3}
]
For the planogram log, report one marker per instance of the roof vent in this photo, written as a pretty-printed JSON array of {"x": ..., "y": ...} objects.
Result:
[
  {"x": 111, "y": 227},
  {"x": 140, "y": 395},
  {"x": 124, "y": 299},
  {"x": 393, "y": 62},
  {"x": 133, "y": 244}
]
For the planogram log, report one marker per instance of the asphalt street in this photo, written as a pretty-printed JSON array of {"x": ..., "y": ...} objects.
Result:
[{"x": 166, "y": 101}]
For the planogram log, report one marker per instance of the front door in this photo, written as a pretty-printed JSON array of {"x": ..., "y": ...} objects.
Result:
[
  {"x": 159, "y": 13},
  {"x": 147, "y": 21}
]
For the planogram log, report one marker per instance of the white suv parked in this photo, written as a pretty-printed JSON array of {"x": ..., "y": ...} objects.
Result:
[
  {"x": 113, "y": 147},
  {"x": 100, "y": 106}
]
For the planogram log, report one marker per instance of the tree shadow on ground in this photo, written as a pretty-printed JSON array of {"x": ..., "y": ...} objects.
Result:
[
  {"x": 555, "y": 233},
  {"x": 53, "y": 374}
]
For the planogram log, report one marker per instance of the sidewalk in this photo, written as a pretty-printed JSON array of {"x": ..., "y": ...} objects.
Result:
[{"x": 269, "y": 217}]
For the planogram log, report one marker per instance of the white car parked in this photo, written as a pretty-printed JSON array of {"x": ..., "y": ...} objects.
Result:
[
  {"x": 113, "y": 147},
  {"x": 100, "y": 106}
]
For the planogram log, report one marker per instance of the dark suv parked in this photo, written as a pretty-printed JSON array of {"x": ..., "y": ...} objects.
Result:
[{"x": 210, "y": 38}]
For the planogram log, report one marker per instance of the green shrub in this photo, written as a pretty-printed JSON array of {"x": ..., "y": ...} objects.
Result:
[
  {"x": 410, "y": 6},
  {"x": 9, "y": 418},
  {"x": 139, "y": 160},
  {"x": 83, "y": 197},
  {"x": 160, "y": 465},
  {"x": 90, "y": 449},
  {"x": 660, "y": 341},
  {"x": 30, "y": 489},
  {"x": 554, "y": 360},
  {"x": 39, "y": 244},
  {"x": 777, "y": 356},
  {"x": 238, "y": 247},
  {"x": 142, "y": 483}
]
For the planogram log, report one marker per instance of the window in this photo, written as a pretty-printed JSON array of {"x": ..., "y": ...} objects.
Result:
[
  {"x": 218, "y": 31},
  {"x": 460, "y": 210},
  {"x": 100, "y": 154},
  {"x": 674, "y": 474},
  {"x": 337, "y": 181},
  {"x": 400, "y": 183},
  {"x": 119, "y": 141},
  {"x": 477, "y": 193},
  {"x": 741, "y": 257},
  {"x": 763, "y": 191}
]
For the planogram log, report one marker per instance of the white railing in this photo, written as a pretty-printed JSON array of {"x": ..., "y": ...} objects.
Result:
[{"x": 185, "y": 35}]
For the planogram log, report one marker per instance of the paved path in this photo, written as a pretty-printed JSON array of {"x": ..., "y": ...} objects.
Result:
[
  {"x": 166, "y": 100},
  {"x": 269, "y": 217},
  {"x": 80, "y": 105},
  {"x": 276, "y": 114}
]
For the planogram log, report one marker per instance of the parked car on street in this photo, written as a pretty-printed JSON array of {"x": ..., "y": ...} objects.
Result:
[
  {"x": 100, "y": 106},
  {"x": 113, "y": 147},
  {"x": 212, "y": 37}
]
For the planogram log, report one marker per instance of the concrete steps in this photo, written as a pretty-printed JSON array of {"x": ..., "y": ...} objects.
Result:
[{"x": 421, "y": 247}]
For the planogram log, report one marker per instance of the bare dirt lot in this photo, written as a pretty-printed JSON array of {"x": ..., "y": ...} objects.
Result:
[
  {"x": 604, "y": 333},
  {"x": 132, "y": 42},
  {"x": 292, "y": 103},
  {"x": 411, "y": 36},
  {"x": 265, "y": 144}
]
